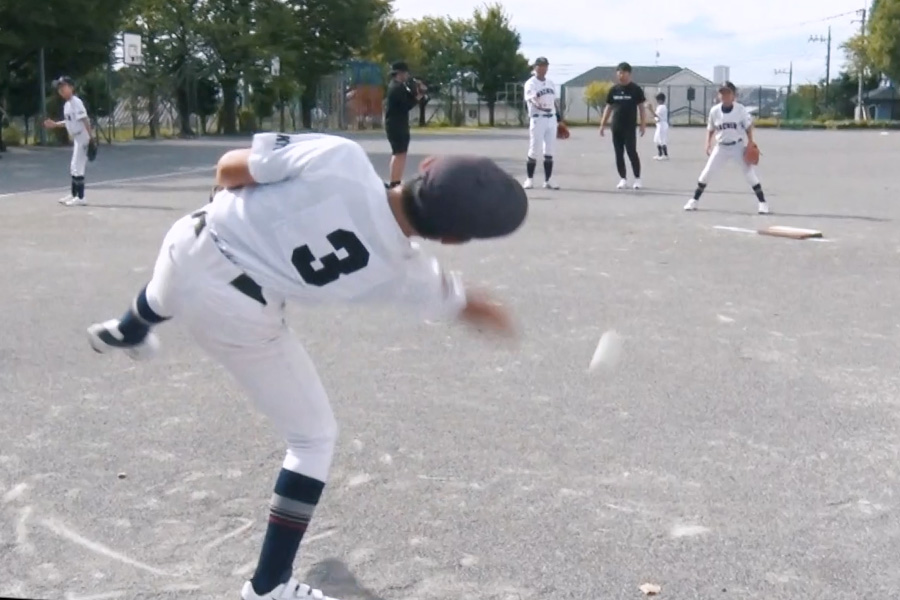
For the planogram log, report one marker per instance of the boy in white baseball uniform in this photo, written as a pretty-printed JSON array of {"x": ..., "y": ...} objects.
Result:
[
  {"x": 77, "y": 123},
  {"x": 307, "y": 218},
  {"x": 731, "y": 126},
  {"x": 661, "y": 135},
  {"x": 543, "y": 107}
]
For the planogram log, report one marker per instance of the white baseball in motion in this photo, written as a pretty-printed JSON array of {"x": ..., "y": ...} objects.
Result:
[{"x": 608, "y": 351}]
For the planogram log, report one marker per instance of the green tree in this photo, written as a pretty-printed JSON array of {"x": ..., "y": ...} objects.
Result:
[
  {"x": 495, "y": 57},
  {"x": 883, "y": 41},
  {"x": 322, "y": 36},
  {"x": 443, "y": 52},
  {"x": 595, "y": 96}
]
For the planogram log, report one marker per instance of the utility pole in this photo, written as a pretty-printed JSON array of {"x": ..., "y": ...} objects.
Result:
[
  {"x": 860, "y": 108},
  {"x": 790, "y": 73},
  {"x": 827, "y": 40}
]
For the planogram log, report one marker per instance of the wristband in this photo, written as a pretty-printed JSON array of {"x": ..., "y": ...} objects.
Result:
[{"x": 558, "y": 117}]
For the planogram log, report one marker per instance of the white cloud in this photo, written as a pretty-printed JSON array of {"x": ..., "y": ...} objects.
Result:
[{"x": 753, "y": 38}]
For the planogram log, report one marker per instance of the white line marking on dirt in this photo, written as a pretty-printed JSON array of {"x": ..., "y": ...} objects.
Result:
[
  {"x": 22, "y": 531},
  {"x": 736, "y": 229},
  {"x": 103, "y": 596},
  {"x": 64, "y": 532},
  {"x": 220, "y": 540},
  {"x": 14, "y": 493},
  {"x": 95, "y": 184}
]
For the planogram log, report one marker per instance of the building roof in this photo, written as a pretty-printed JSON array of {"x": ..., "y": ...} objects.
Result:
[
  {"x": 641, "y": 75},
  {"x": 883, "y": 94}
]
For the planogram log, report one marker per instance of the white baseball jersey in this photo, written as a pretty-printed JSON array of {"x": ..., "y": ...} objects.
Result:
[
  {"x": 73, "y": 113},
  {"x": 320, "y": 229},
  {"x": 731, "y": 126},
  {"x": 540, "y": 93},
  {"x": 662, "y": 114}
]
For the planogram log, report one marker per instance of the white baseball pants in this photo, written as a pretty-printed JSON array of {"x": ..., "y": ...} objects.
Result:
[
  {"x": 661, "y": 135},
  {"x": 191, "y": 282},
  {"x": 721, "y": 155},
  {"x": 79, "y": 158},
  {"x": 541, "y": 136}
]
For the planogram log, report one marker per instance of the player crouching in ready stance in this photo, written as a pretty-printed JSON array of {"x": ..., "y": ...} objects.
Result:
[
  {"x": 731, "y": 126},
  {"x": 307, "y": 218}
]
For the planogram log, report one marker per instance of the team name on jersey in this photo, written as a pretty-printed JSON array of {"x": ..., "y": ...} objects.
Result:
[
  {"x": 728, "y": 125},
  {"x": 543, "y": 92}
]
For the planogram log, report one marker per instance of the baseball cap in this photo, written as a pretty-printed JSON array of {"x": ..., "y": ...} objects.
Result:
[
  {"x": 624, "y": 67},
  {"x": 399, "y": 67},
  {"x": 465, "y": 197},
  {"x": 727, "y": 86},
  {"x": 541, "y": 61},
  {"x": 63, "y": 80}
]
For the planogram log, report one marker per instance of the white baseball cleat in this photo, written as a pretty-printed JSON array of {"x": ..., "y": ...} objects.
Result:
[
  {"x": 76, "y": 202},
  {"x": 292, "y": 590},
  {"x": 550, "y": 185},
  {"x": 528, "y": 184},
  {"x": 658, "y": 158},
  {"x": 66, "y": 199},
  {"x": 637, "y": 184},
  {"x": 691, "y": 204},
  {"x": 763, "y": 208},
  {"x": 623, "y": 183},
  {"x": 106, "y": 336}
]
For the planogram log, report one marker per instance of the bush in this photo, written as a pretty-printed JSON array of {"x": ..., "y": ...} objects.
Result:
[
  {"x": 13, "y": 136},
  {"x": 247, "y": 121}
]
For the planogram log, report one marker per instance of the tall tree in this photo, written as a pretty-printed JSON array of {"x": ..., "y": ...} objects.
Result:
[
  {"x": 320, "y": 36},
  {"x": 495, "y": 57},
  {"x": 883, "y": 46},
  {"x": 443, "y": 46}
]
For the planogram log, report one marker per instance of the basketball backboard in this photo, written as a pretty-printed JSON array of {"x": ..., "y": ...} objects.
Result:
[{"x": 132, "y": 49}]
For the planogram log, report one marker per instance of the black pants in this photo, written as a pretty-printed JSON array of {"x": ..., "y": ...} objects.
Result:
[
  {"x": 625, "y": 141},
  {"x": 398, "y": 137}
]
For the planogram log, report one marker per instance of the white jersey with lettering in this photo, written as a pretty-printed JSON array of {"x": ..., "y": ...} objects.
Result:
[
  {"x": 731, "y": 126},
  {"x": 73, "y": 113},
  {"x": 540, "y": 95},
  {"x": 318, "y": 229}
]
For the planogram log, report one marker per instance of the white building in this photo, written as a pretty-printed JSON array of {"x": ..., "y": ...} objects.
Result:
[
  {"x": 675, "y": 82},
  {"x": 721, "y": 74}
]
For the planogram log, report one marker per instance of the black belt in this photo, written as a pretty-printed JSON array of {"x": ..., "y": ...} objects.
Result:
[
  {"x": 730, "y": 143},
  {"x": 243, "y": 282},
  {"x": 546, "y": 116}
]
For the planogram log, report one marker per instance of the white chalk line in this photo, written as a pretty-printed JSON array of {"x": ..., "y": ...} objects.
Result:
[
  {"x": 64, "y": 532},
  {"x": 14, "y": 493},
  {"x": 103, "y": 596},
  {"x": 220, "y": 540},
  {"x": 22, "y": 531},
  {"x": 126, "y": 180}
]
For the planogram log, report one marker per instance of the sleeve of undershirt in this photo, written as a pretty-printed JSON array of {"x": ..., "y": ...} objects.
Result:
[
  {"x": 277, "y": 157},
  {"x": 434, "y": 293},
  {"x": 710, "y": 122}
]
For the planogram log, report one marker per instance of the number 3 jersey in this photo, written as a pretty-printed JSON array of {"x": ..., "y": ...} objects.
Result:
[{"x": 317, "y": 228}]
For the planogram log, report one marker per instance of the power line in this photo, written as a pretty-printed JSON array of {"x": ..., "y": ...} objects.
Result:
[{"x": 827, "y": 40}]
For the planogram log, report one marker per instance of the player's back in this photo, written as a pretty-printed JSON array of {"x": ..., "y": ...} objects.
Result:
[{"x": 322, "y": 231}]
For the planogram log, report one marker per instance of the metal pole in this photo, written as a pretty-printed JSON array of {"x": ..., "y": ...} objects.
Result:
[
  {"x": 42, "y": 76},
  {"x": 828, "y": 68},
  {"x": 860, "y": 109}
]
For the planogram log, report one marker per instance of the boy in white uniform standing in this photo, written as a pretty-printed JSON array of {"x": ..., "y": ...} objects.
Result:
[
  {"x": 661, "y": 135},
  {"x": 307, "y": 218},
  {"x": 77, "y": 123},
  {"x": 543, "y": 107},
  {"x": 731, "y": 126}
]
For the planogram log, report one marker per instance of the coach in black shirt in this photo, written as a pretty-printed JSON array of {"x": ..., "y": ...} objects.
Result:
[
  {"x": 401, "y": 98},
  {"x": 625, "y": 103}
]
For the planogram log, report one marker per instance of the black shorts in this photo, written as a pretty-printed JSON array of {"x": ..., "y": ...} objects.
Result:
[{"x": 398, "y": 136}]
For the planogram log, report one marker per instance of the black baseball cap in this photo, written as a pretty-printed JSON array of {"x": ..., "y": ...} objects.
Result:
[
  {"x": 541, "y": 61},
  {"x": 464, "y": 198},
  {"x": 399, "y": 67},
  {"x": 624, "y": 67},
  {"x": 63, "y": 80},
  {"x": 727, "y": 86}
]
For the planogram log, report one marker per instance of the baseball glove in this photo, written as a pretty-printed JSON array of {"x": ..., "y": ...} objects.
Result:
[
  {"x": 92, "y": 150},
  {"x": 562, "y": 130},
  {"x": 751, "y": 154}
]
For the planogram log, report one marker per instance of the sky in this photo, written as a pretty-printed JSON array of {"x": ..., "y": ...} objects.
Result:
[{"x": 754, "y": 38}]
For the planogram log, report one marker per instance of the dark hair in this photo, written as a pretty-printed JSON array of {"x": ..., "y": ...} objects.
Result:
[
  {"x": 624, "y": 67},
  {"x": 660, "y": 97}
]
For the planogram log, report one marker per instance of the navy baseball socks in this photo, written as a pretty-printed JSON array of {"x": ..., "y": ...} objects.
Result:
[
  {"x": 290, "y": 511},
  {"x": 762, "y": 205},
  {"x": 132, "y": 333}
]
